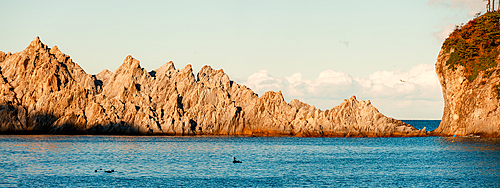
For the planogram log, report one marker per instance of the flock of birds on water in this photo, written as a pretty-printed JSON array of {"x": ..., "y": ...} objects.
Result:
[{"x": 111, "y": 171}]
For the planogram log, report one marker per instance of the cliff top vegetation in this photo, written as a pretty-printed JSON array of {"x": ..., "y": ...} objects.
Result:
[{"x": 476, "y": 45}]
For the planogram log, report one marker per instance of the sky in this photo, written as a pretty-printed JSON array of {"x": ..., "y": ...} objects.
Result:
[{"x": 319, "y": 52}]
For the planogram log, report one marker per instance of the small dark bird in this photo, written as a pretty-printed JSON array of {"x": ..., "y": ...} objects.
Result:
[
  {"x": 235, "y": 161},
  {"x": 95, "y": 171}
]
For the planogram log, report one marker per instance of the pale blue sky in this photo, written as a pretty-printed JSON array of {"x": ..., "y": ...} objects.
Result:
[{"x": 357, "y": 38}]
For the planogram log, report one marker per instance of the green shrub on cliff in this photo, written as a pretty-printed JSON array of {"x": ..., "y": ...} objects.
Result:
[{"x": 476, "y": 45}]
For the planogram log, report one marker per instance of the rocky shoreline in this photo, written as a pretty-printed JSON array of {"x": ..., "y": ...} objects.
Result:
[{"x": 44, "y": 92}]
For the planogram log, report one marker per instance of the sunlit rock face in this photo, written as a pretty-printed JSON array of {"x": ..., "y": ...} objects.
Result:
[
  {"x": 468, "y": 70},
  {"x": 44, "y": 91},
  {"x": 470, "y": 108}
]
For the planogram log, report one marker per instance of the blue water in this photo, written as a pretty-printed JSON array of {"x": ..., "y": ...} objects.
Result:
[
  {"x": 158, "y": 161},
  {"x": 420, "y": 124}
]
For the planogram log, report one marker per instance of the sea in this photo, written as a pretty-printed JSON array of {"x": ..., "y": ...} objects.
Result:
[{"x": 207, "y": 161}]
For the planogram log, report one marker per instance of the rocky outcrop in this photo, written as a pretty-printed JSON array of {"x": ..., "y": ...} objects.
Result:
[
  {"x": 44, "y": 91},
  {"x": 470, "y": 108},
  {"x": 468, "y": 70}
]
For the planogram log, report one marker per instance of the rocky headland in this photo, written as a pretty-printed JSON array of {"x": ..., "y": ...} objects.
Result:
[
  {"x": 44, "y": 92},
  {"x": 469, "y": 72}
]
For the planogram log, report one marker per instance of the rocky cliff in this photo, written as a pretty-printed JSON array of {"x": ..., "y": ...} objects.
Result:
[
  {"x": 44, "y": 91},
  {"x": 468, "y": 70}
]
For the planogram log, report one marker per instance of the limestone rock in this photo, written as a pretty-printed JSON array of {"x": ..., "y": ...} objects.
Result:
[
  {"x": 471, "y": 95},
  {"x": 470, "y": 108},
  {"x": 44, "y": 91}
]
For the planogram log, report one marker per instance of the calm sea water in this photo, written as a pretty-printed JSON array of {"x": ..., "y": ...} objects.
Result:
[
  {"x": 157, "y": 161},
  {"x": 420, "y": 124}
]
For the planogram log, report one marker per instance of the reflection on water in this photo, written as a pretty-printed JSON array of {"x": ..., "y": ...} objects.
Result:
[
  {"x": 478, "y": 154},
  {"x": 71, "y": 161},
  {"x": 471, "y": 143}
]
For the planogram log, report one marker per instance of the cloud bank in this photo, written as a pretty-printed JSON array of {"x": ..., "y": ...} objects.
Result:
[{"x": 412, "y": 94}]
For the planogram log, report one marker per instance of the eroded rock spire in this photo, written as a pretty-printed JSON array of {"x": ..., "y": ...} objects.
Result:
[{"x": 43, "y": 91}]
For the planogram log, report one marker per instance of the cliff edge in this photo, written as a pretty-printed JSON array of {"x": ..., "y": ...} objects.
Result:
[
  {"x": 43, "y": 91},
  {"x": 468, "y": 70}
]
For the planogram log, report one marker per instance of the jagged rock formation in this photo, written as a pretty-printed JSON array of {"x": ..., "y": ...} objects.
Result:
[
  {"x": 44, "y": 91},
  {"x": 468, "y": 70}
]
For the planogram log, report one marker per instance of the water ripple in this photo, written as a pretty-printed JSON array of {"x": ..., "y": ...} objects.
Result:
[{"x": 139, "y": 161}]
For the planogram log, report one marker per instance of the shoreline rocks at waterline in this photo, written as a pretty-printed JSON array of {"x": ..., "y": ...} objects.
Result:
[{"x": 44, "y": 92}]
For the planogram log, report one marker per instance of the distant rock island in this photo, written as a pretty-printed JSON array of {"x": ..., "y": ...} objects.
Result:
[
  {"x": 469, "y": 72},
  {"x": 44, "y": 92}
]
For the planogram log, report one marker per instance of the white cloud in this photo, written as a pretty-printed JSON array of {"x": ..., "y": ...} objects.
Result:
[
  {"x": 419, "y": 82},
  {"x": 400, "y": 90},
  {"x": 296, "y": 85},
  {"x": 262, "y": 81},
  {"x": 445, "y": 32},
  {"x": 294, "y": 79},
  {"x": 330, "y": 83}
]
